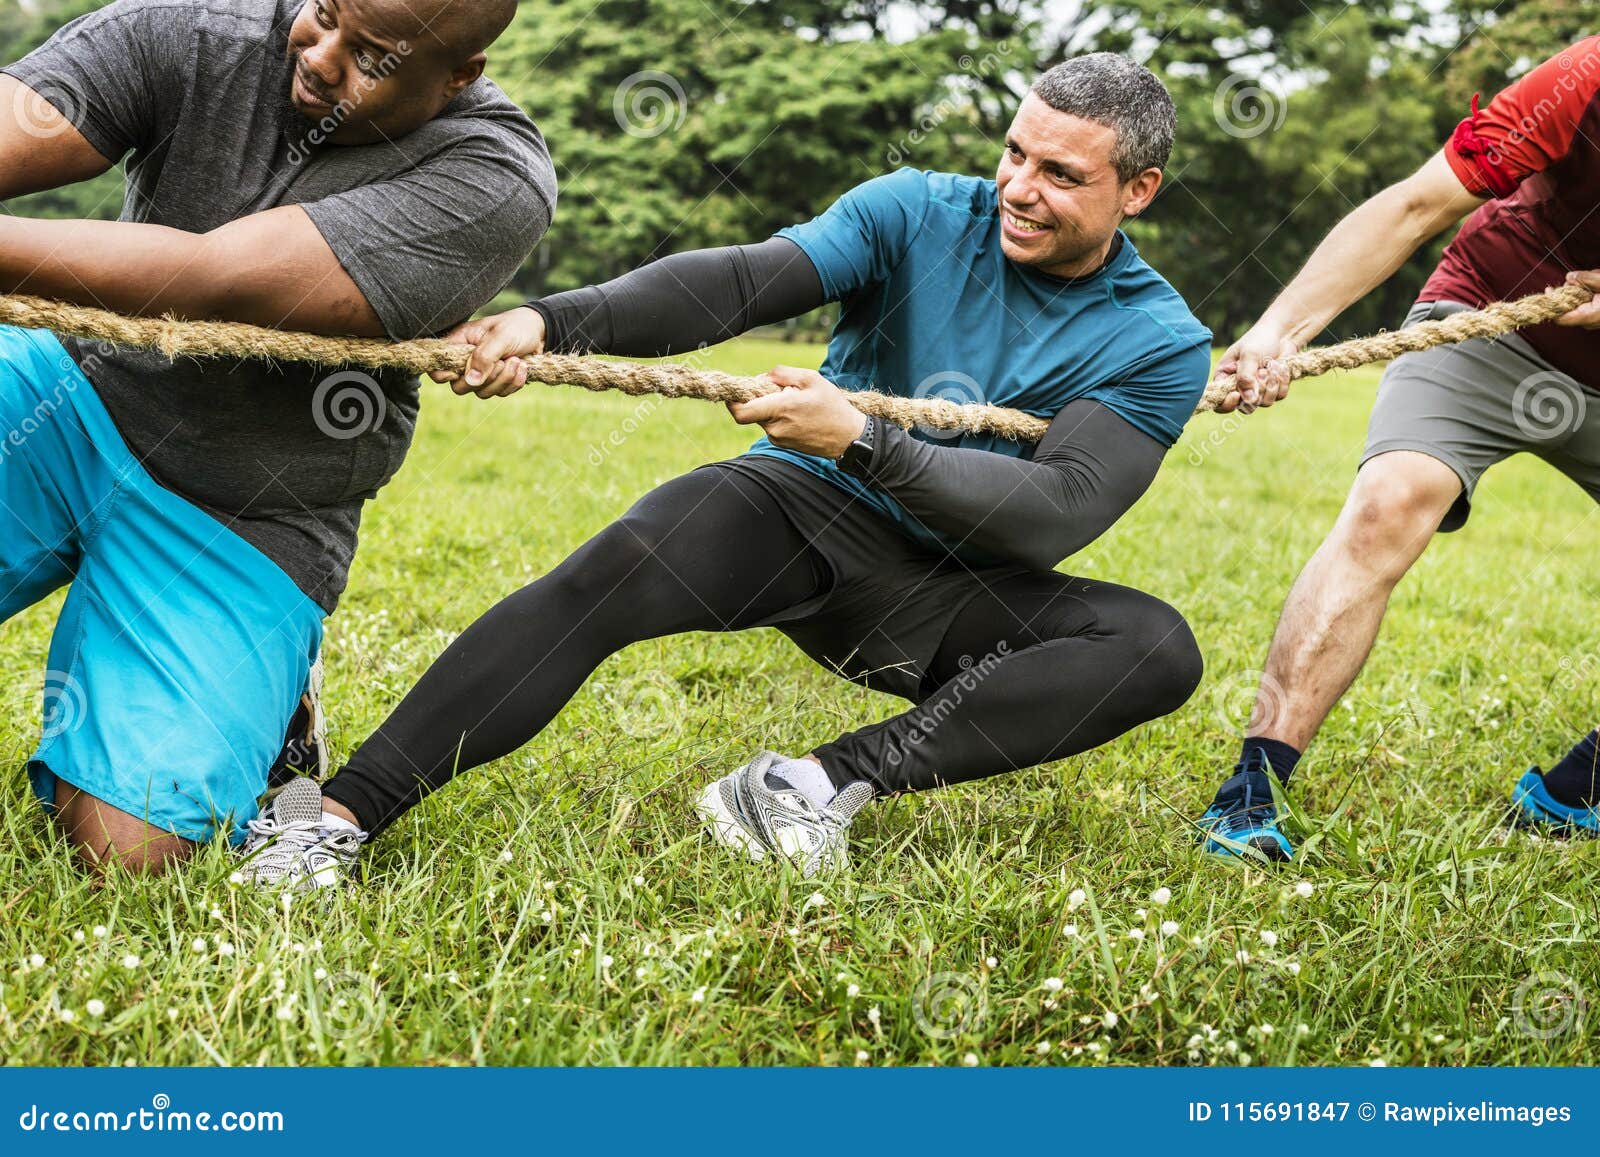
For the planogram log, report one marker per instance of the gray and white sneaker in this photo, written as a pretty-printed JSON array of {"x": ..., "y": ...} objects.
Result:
[
  {"x": 744, "y": 811},
  {"x": 291, "y": 845}
]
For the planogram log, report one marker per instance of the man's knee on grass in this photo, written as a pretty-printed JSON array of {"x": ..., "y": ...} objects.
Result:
[{"x": 104, "y": 836}]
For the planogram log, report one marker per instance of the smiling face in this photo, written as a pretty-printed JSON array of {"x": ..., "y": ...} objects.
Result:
[
  {"x": 372, "y": 68},
  {"x": 1061, "y": 198}
]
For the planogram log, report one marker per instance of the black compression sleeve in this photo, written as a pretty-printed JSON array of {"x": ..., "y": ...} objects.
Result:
[
  {"x": 684, "y": 301},
  {"x": 1089, "y": 468}
]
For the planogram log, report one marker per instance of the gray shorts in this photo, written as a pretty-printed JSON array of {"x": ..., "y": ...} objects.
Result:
[{"x": 1474, "y": 404}]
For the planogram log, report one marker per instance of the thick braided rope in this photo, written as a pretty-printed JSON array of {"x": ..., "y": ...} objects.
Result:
[
  {"x": 1493, "y": 321},
  {"x": 219, "y": 339}
]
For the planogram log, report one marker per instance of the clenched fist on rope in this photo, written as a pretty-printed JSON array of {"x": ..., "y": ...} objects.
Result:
[{"x": 808, "y": 414}]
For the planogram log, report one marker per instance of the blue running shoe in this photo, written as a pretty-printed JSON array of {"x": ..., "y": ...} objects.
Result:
[
  {"x": 1532, "y": 806},
  {"x": 1243, "y": 818}
]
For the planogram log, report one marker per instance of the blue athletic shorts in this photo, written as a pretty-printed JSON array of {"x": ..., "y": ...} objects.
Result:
[{"x": 181, "y": 651}]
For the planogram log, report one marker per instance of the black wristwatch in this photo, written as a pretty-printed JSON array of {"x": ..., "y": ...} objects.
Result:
[{"x": 857, "y": 457}]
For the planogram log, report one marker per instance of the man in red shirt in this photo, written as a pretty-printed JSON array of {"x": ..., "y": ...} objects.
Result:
[{"x": 1525, "y": 173}]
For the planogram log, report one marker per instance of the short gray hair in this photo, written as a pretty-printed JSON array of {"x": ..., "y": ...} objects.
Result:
[{"x": 1125, "y": 96}]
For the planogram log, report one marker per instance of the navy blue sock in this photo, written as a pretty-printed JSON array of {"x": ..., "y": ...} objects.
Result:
[
  {"x": 1573, "y": 781},
  {"x": 1279, "y": 755}
]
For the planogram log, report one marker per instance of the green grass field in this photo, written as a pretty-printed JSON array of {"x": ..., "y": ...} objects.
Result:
[{"x": 560, "y": 908}]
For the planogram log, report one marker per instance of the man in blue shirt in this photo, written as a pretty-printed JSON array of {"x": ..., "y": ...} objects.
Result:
[{"x": 917, "y": 562}]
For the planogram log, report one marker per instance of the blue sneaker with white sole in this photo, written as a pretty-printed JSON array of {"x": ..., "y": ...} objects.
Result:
[
  {"x": 1534, "y": 808},
  {"x": 1243, "y": 819}
]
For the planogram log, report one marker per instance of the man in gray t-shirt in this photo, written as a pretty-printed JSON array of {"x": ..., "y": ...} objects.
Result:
[{"x": 320, "y": 166}]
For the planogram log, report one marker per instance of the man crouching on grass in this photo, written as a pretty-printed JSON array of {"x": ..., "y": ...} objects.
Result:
[
  {"x": 918, "y": 563},
  {"x": 204, "y": 514}
]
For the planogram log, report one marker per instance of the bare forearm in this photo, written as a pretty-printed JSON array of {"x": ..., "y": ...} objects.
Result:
[
  {"x": 135, "y": 269},
  {"x": 1367, "y": 248},
  {"x": 1360, "y": 254},
  {"x": 151, "y": 270}
]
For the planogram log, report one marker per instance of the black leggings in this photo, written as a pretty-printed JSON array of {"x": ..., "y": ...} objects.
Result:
[{"x": 1034, "y": 667}]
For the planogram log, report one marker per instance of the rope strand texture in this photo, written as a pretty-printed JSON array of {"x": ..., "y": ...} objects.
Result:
[{"x": 222, "y": 339}]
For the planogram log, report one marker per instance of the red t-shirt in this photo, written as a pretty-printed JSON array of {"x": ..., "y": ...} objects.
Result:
[{"x": 1536, "y": 152}]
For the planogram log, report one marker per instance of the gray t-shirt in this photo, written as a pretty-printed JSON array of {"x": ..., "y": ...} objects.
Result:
[{"x": 195, "y": 94}]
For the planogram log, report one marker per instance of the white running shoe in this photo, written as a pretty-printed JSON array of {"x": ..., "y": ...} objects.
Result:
[
  {"x": 292, "y": 846},
  {"x": 744, "y": 811}
]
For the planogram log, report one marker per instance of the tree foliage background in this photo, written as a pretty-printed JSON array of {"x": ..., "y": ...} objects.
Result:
[{"x": 677, "y": 124}]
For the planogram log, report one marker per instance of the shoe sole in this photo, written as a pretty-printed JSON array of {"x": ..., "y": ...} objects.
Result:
[
  {"x": 1269, "y": 848},
  {"x": 724, "y": 826},
  {"x": 1527, "y": 816}
]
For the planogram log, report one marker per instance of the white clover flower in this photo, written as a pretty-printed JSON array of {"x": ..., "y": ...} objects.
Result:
[
  {"x": 1052, "y": 984},
  {"x": 36, "y": 961},
  {"x": 991, "y": 962},
  {"x": 638, "y": 881},
  {"x": 638, "y": 973},
  {"x": 1043, "y": 1047},
  {"x": 286, "y": 1012},
  {"x": 1109, "y": 1020},
  {"x": 172, "y": 1014},
  {"x": 861, "y": 1056},
  {"x": 1242, "y": 956},
  {"x": 970, "y": 1060},
  {"x": 320, "y": 974},
  {"x": 1069, "y": 930},
  {"x": 95, "y": 1008},
  {"x": 1076, "y": 899},
  {"x": 1140, "y": 913},
  {"x": 216, "y": 913},
  {"x": 506, "y": 857},
  {"x": 225, "y": 949},
  {"x": 1169, "y": 927},
  {"x": 235, "y": 879},
  {"x": 699, "y": 995},
  {"x": 1293, "y": 967},
  {"x": 1379, "y": 1063},
  {"x": 78, "y": 936},
  {"x": 853, "y": 991},
  {"x": 1161, "y": 897},
  {"x": 130, "y": 961},
  {"x": 1269, "y": 937},
  {"x": 1195, "y": 1042},
  {"x": 1304, "y": 889},
  {"x": 1231, "y": 1048},
  {"x": 1136, "y": 933},
  {"x": 298, "y": 947},
  {"x": 101, "y": 931},
  {"x": 1301, "y": 1030},
  {"x": 606, "y": 961},
  {"x": 1267, "y": 1030},
  {"x": 874, "y": 1015},
  {"x": 68, "y": 1016}
]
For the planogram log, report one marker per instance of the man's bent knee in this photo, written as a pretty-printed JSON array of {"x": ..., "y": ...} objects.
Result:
[
  {"x": 1169, "y": 664},
  {"x": 104, "y": 835},
  {"x": 1397, "y": 503}
]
